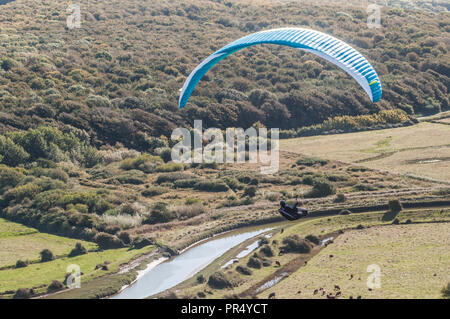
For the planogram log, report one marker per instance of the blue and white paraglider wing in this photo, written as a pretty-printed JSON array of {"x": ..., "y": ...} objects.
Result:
[{"x": 318, "y": 43}]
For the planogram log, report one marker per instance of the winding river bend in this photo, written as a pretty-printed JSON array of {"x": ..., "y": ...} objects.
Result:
[{"x": 182, "y": 267}]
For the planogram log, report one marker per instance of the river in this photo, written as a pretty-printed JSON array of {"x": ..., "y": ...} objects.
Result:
[{"x": 182, "y": 267}]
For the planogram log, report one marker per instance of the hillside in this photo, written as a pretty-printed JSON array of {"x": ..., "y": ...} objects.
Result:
[{"x": 117, "y": 77}]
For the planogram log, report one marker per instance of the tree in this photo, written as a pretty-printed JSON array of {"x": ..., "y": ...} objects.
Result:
[{"x": 46, "y": 255}]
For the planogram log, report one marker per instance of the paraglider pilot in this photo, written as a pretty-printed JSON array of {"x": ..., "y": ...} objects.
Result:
[{"x": 292, "y": 212}]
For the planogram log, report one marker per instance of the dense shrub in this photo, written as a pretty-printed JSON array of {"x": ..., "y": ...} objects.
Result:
[
  {"x": 160, "y": 214},
  {"x": 23, "y": 293},
  {"x": 244, "y": 270},
  {"x": 141, "y": 242},
  {"x": 186, "y": 183},
  {"x": 146, "y": 163},
  {"x": 55, "y": 286},
  {"x": 107, "y": 241},
  {"x": 78, "y": 250},
  {"x": 188, "y": 211},
  {"x": 200, "y": 279},
  {"x": 310, "y": 161},
  {"x": 9, "y": 178},
  {"x": 254, "y": 262},
  {"x": 313, "y": 239},
  {"x": 22, "y": 263},
  {"x": 267, "y": 250},
  {"x": 46, "y": 255},
  {"x": 10, "y": 153},
  {"x": 211, "y": 186},
  {"x": 125, "y": 237},
  {"x": 172, "y": 177},
  {"x": 322, "y": 188},
  {"x": 134, "y": 177},
  {"x": 340, "y": 198},
  {"x": 154, "y": 191},
  {"x": 219, "y": 280},
  {"x": 250, "y": 191},
  {"x": 170, "y": 167},
  {"x": 295, "y": 244}
]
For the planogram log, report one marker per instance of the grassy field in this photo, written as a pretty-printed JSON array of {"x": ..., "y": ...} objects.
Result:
[
  {"x": 25, "y": 243},
  {"x": 42, "y": 274},
  {"x": 422, "y": 149},
  {"x": 405, "y": 254}
]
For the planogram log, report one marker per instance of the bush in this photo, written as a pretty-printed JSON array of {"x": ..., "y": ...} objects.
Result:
[
  {"x": 250, "y": 191},
  {"x": 22, "y": 263},
  {"x": 124, "y": 237},
  {"x": 272, "y": 196},
  {"x": 295, "y": 244},
  {"x": 7, "y": 64},
  {"x": 141, "y": 242},
  {"x": 78, "y": 250},
  {"x": 55, "y": 286},
  {"x": 46, "y": 255},
  {"x": 340, "y": 198},
  {"x": 244, "y": 270},
  {"x": 172, "y": 177},
  {"x": 23, "y": 293},
  {"x": 188, "y": 211},
  {"x": 254, "y": 262},
  {"x": 201, "y": 279},
  {"x": 160, "y": 214},
  {"x": 322, "y": 188},
  {"x": 267, "y": 251},
  {"x": 154, "y": 191},
  {"x": 219, "y": 280},
  {"x": 211, "y": 186},
  {"x": 314, "y": 239},
  {"x": 170, "y": 167},
  {"x": 395, "y": 206},
  {"x": 107, "y": 241},
  {"x": 186, "y": 183},
  {"x": 310, "y": 161},
  {"x": 9, "y": 178},
  {"x": 134, "y": 177}
]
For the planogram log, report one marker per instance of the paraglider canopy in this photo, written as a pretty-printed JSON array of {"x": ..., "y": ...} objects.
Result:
[{"x": 318, "y": 43}]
